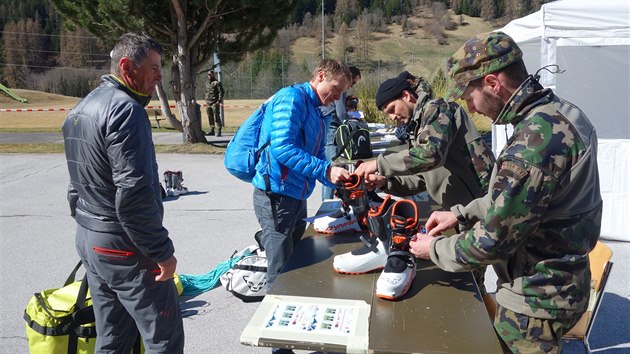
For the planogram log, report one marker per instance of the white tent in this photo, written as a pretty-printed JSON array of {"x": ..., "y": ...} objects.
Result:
[{"x": 590, "y": 40}]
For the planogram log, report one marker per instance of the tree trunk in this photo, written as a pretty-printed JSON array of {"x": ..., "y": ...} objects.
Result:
[
  {"x": 186, "y": 103},
  {"x": 191, "y": 122},
  {"x": 166, "y": 109}
]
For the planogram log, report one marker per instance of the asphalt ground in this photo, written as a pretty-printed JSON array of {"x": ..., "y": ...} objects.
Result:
[{"x": 207, "y": 225}]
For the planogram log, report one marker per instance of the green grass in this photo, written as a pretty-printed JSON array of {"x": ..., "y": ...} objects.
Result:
[
  {"x": 49, "y": 148},
  {"x": 52, "y": 148},
  {"x": 30, "y": 130}
]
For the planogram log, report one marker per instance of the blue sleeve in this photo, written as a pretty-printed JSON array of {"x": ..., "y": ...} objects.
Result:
[{"x": 289, "y": 114}]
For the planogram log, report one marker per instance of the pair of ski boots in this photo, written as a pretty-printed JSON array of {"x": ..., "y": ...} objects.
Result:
[
  {"x": 391, "y": 226},
  {"x": 355, "y": 204},
  {"x": 173, "y": 183}
]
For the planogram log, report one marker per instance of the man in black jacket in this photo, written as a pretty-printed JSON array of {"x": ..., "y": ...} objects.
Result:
[{"x": 115, "y": 199}]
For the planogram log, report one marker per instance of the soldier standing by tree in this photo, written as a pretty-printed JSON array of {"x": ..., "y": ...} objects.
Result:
[{"x": 214, "y": 97}]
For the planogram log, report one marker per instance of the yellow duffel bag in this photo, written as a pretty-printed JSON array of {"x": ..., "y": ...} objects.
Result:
[{"x": 61, "y": 320}]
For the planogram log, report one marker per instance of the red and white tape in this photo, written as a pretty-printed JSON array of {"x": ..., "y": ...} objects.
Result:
[
  {"x": 32, "y": 109},
  {"x": 67, "y": 109}
]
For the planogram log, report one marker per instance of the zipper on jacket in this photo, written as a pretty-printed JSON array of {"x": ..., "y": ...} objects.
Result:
[
  {"x": 313, "y": 153},
  {"x": 111, "y": 252}
]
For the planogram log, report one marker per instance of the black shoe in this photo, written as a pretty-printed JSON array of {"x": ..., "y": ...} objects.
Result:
[
  {"x": 211, "y": 132},
  {"x": 218, "y": 132}
]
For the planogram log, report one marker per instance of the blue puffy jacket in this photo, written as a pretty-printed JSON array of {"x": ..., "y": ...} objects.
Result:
[{"x": 296, "y": 131}]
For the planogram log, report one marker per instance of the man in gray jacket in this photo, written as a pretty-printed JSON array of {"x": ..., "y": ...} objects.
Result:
[{"x": 115, "y": 199}]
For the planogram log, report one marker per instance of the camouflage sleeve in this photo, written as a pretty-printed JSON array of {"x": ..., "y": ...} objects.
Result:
[
  {"x": 433, "y": 140},
  {"x": 519, "y": 198},
  {"x": 480, "y": 153},
  {"x": 473, "y": 211},
  {"x": 221, "y": 91},
  {"x": 483, "y": 162},
  {"x": 208, "y": 91}
]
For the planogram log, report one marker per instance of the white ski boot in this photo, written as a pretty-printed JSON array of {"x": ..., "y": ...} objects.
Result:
[
  {"x": 400, "y": 269},
  {"x": 354, "y": 209},
  {"x": 373, "y": 255}
]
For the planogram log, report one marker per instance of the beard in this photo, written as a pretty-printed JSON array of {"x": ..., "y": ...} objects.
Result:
[{"x": 492, "y": 105}]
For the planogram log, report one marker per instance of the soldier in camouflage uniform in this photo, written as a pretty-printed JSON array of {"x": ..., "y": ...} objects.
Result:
[
  {"x": 542, "y": 215},
  {"x": 446, "y": 155},
  {"x": 420, "y": 86},
  {"x": 214, "y": 97}
]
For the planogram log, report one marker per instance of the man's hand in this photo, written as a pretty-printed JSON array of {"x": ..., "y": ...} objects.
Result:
[
  {"x": 167, "y": 269},
  {"x": 440, "y": 221},
  {"x": 366, "y": 168},
  {"x": 420, "y": 245},
  {"x": 338, "y": 174},
  {"x": 375, "y": 181}
]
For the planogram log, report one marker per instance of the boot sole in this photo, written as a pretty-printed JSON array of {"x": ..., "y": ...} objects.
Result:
[
  {"x": 340, "y": 232},
  {"x": 357, "y": 273}
]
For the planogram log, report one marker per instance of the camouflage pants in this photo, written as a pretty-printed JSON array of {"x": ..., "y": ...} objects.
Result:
[
  {"x": 523, "y": 334},
  {"x": 214, "y": 119}
]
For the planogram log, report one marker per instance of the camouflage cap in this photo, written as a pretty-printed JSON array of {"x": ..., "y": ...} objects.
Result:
[{"x": 479, "y": 56}]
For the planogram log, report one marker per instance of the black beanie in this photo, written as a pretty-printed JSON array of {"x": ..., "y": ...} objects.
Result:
[
  {"x": 391, "y": 89},
  {"x": 405, "y": 75}
]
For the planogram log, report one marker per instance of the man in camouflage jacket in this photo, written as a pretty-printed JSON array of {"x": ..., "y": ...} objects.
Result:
[
  {"x": 421, "y": 87},
  {"x": 542, "y": 214},
  {"x": 446, "y": 155},
  {"x": 214, "y": 97}
]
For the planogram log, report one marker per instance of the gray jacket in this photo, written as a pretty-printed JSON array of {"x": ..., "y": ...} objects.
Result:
[{"x": 114, "y": 181}]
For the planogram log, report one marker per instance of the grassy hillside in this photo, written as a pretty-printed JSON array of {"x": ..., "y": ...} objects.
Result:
[
  {"x": 394, "y": 47},
  {"x": 394, "y": 51}
]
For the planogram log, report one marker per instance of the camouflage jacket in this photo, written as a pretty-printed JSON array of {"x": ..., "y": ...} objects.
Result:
[
  {"x": 542, "y": 215},
  {"x": 446, "y": 157},
  {"x": 214, "y": 92}
]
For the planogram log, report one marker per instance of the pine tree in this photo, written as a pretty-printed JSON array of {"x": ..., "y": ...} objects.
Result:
[
  {"x": 342, "y": 44},
  {"x": 190, "y": 31}
]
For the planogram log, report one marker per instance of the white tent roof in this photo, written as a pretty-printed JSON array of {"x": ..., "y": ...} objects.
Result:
[
  {"x": 576, "y": 21},
  {"x": 590, "y": 40}
]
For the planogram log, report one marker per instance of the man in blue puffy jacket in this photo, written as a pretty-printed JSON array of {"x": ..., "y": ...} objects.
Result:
[{"x": 295, "y": 158}]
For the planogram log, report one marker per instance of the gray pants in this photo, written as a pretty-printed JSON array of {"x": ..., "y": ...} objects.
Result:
[
  {"x": 126, "y": 296},
  {"x": 279, "y": 242}
]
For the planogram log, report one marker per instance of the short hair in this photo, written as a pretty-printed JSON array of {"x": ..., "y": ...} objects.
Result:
[
  {"x": 354, "y": 71},
  {"x": 515, "y": 73},
  {"x": 352, "y": 102},
  {"x": 135, "y": 46},
  {"x": 332, "y": 69}
]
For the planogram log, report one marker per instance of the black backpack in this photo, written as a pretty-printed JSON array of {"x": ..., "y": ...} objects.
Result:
[{"x": 352, "y": 139}]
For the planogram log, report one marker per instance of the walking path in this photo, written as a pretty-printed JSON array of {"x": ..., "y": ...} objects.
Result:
[
  {"x": 207, "y": 225},
  {"x": 159, "y": 138}
]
